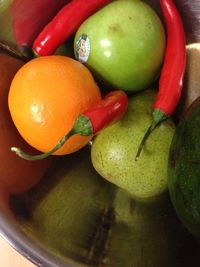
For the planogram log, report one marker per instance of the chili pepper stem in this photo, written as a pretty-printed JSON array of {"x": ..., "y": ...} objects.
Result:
[
  {"x": 13, "y": 52},
  {"x": 82, "y": 126},
  {"x": 148, "y": 132},
  {"x": 26, "y": 156},
  {"x": 158, "y": 116},
  {"x": 35, "y": 54}
]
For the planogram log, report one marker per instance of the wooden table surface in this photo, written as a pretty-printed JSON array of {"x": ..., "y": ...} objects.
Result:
[{"x": 10, "y": 258}]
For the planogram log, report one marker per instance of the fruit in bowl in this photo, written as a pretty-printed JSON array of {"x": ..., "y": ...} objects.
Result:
[
  {"x": 45, "y": 97},
  {"x": 125, "y": 51},
  {"x": 184, "y": 169},
  {"x": 16, "y": 175},
  {"x": 84, "y": 220},
  {"x": 74, "y": 217},
  {"x": 114, "y": 149}
]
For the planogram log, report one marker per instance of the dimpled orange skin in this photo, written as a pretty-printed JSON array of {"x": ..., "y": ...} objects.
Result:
[{"x": 46, "y": 96}]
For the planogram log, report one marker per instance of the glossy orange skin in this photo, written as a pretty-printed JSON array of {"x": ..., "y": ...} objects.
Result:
[{"x": 46, "y": 96}]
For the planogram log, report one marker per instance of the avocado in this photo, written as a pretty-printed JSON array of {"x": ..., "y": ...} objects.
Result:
[{"x": 184, "y": 169}]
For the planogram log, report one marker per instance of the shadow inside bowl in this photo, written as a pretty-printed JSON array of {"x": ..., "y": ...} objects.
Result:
[{"x": 79, "y": 219}]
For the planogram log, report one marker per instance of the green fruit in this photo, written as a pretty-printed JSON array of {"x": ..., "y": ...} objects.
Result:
[
  {"x": 86, "y": 221},
  {"x": 149, "y": 234},
  {"x": 4, "y": 4},
  {"x": 6, "y": 32},
  {"x": 184, "y": 169},
  {"x": 123, "y": 44},
  {"x": 114, "y": 150},
  {"x": 65, "y": 209}
]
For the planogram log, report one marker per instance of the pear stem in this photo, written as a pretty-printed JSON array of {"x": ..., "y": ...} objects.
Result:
[{"x": 13, "y": 52}]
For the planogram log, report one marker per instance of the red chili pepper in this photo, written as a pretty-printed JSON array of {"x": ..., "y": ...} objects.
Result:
[
  {"x": 65, "y": 24},
  {"x": 109, "y": 110},
  {"x": 171, "y": 78}
]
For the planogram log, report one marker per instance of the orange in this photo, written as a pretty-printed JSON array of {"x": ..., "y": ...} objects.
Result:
[{"x": 45, "y": 98}]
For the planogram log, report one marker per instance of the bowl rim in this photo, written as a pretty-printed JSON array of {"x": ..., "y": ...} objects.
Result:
[{"x": 28, "y": 248}]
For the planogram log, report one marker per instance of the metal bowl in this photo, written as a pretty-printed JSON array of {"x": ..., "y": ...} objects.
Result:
[{"x": 75, "y": 218}]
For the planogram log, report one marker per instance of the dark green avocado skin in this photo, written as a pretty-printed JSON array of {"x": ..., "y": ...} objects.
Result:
[{"x": 184, "y": 170}]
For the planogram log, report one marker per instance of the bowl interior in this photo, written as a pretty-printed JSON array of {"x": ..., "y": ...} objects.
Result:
[{"x": 73, "y": 217}]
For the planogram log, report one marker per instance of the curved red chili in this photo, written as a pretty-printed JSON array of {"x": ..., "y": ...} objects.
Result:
[
  {"x": 172, "y": 73},
  {"x": 65, "y": 24},
  {"x": 109, "y": 110}
]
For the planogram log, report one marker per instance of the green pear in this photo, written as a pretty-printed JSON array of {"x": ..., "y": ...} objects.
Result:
[
  {"x": 65, "y": 210},
  {"x": 114, "y": 150}
]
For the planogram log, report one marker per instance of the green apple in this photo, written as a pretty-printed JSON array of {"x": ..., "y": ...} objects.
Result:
[{"x": 123, "y": 44}]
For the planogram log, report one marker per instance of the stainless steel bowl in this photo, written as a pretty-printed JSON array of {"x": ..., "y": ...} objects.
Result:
[{"x": 74, "y": 218}]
